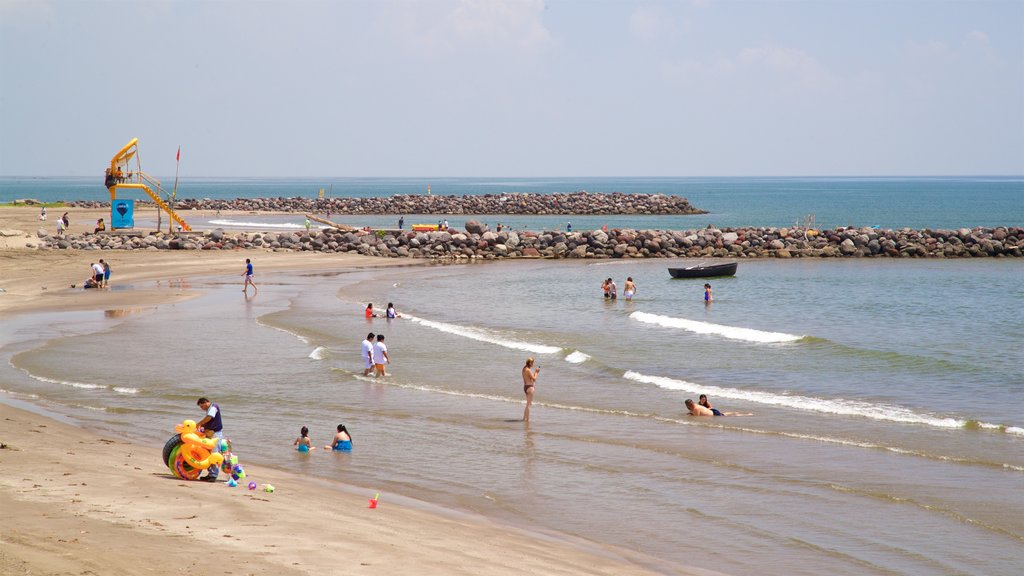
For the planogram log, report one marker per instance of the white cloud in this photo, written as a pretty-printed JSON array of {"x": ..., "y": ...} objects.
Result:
[{"x": 651, "y": 23}]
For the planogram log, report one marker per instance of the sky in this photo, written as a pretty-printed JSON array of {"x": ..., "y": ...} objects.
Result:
[{"x": 513, "y": 88}]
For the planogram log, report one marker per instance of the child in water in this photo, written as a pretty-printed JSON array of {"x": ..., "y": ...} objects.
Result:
[
  {"x": 707, "y": 293},
  {"x": 342, "y": 441},
  {"x": 303, "y": 443}
]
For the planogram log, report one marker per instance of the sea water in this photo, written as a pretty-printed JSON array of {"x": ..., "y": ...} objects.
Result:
[
  {"x": 923, "y": 202},
  {"x": 887, "y": 399}
]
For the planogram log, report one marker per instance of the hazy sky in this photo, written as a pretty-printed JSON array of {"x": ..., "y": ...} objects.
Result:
[{"x": 513, "y": 88}]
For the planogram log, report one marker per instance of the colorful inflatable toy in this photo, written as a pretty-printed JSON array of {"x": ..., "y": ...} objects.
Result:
[{"x": 188, "y": 453}]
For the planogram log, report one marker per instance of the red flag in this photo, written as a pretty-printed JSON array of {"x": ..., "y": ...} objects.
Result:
[{"x": 178, "y": 158}]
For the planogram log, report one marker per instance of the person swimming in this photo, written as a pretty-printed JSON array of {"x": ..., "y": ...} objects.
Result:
[
  {"x": 303, "y": 443},
  {"x": 342, "y": 440}
]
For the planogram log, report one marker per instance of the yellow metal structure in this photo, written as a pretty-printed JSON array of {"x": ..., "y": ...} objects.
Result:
[{"x": 120, "y": 176}]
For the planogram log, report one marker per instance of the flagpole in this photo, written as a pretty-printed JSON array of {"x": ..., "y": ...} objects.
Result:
[{"x": 174, "y": 193}]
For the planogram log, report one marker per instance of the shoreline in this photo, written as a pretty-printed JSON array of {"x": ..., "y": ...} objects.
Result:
[
  {"x": 80, "y": 499},
  {"x": 75, "y": 499}
]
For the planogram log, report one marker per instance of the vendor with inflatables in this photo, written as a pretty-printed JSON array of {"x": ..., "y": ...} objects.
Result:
[{"x": 212, "y": 427}]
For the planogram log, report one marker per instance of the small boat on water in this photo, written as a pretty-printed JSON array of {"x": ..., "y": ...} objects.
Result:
[{"x": 704, "y": 270}]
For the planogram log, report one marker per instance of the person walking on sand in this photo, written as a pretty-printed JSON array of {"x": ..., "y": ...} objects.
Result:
[
  {"x": 212, "y": 427},
  {"x": 307, "y": 224},
  {"x": 629, "y": 289},
  {"x": 248, "y": 278},
  {"x": 707, "y": 293},
  {"x": 380, "y": 356},
  {"x": 42, "y": 214},
  {"x": 529, "y": 385},
  {"x": 367, "y": 351},
  {"x": 66, "y": 220}
]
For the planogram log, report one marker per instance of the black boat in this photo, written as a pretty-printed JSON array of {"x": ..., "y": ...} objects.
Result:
[{"x": 704, "y": 270}]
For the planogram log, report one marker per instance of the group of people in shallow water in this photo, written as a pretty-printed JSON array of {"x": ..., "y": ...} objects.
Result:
[
  {"x": 389, "y": 313},
  {"x": 611, "y": 291},
  {"x": 342, "y": 441}
]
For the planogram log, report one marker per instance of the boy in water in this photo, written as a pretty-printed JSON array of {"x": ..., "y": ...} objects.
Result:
[{"x": 707, "y": 293}]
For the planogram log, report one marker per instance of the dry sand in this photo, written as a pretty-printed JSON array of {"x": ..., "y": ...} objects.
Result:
[{"x": 77, "y": 502}]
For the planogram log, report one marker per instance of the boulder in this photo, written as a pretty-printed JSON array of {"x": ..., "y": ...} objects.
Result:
[{"x": 474, "y": 227}]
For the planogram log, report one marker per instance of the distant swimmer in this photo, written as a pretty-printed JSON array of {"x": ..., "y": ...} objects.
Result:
[
  {"x": 529, "y": 385},
  {"x": 698, "y": 410},
  {"x": 629, "y": 289},
  {"x": 390, "y": 312},
  {"x": 612, "y": 289},
  {"x": 606, "y": 287},
  {"x": 707, "y": 293},
  {"x": 369, "y": 311},
  {"x": 248, "y": 278}
]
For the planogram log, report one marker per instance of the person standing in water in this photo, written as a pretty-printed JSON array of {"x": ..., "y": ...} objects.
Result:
[
  {"x": 248, "y": 278},
  {"x": 380, "y": 357},
  {"x": 707, "y": 294},
  {"x": 529, "y": 385},
  {"x": 629, "y": 289},
  {"x": 368, "y": 354}
]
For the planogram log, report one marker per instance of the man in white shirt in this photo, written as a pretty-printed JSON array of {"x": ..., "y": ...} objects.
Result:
[
  {"x": 368, "y": 354},
  {"x": 97, "y": 273},
  {"x": 380, "y": 356}
]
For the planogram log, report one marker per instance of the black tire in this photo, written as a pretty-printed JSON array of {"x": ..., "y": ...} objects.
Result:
[{"x": 172, "y": 443}]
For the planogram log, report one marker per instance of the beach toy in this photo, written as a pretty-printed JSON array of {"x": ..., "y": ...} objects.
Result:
[
  {"x": 232, "y": 483},
  {"x": 373, "y": 501},
  {"x": 252, "y": 485},
  {"x": 188, "y": 453},
  {"x": 268, "y": 488}
]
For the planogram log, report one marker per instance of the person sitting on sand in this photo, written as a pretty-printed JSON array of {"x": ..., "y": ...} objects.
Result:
[
  {"x": 303, "y": 443},
  {"x": 342, "y": 440},
  {"x": 698, "y": 410},
  {"x": 391, "y": 312},
  {"x": 100, "y": 226}
]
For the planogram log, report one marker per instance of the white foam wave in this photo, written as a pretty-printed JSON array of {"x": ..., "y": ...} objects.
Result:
[
  {"x": 83, "y": 385},
  {"x": 299, "y": 336},
  {"x": 482, "y": 335},
  {"x": 577, "y": 357},
  {"x": 748, "y": 334},
  {"x": 283, "y": 226},
  {"x": 828, "y": 406},
  {"x": 318, "y": 353},
  {"x": 125, "y": 390}
]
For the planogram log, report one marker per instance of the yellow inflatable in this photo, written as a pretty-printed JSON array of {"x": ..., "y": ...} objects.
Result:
[{"x": 187, "y": 454}]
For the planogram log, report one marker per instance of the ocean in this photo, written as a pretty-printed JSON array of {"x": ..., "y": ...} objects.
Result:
[
  {"x": 926, "y": 202},
  {"x": 887, "y": 395}
]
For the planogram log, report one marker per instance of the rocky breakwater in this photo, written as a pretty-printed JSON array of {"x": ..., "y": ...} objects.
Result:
[
  {"x": 515, "y": 203},
  {"x": 479, "y": 242}
]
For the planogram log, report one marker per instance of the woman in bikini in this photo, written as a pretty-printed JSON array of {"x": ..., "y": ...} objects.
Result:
[{"x": 529, "y": 385}]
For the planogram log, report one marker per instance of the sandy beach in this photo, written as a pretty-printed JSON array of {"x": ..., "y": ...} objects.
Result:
[{"x": 78, "y": 501}]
